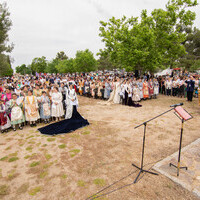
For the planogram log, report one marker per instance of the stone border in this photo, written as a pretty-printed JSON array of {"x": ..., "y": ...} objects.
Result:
[{"x": 175, "y": 179}]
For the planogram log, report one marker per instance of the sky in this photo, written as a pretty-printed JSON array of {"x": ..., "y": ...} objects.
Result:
[{"x": 45, "y": 27}]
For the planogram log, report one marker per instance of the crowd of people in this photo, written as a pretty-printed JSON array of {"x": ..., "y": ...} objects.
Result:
[{"x": 33, "y": 99}]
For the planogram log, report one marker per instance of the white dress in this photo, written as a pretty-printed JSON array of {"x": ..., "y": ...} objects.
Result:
[
  {"x": 57, "y": 110},
  {"x": 115, "y": 95},
  {"x": 69, "y": 103}
]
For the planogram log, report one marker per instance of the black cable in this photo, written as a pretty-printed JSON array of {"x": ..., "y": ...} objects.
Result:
[
  {"x": 92, "y": 196},
  {"x": 111, "y": 185}
]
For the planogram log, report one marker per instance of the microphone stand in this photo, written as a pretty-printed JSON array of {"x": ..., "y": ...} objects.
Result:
[{"x": 143, "y": 146}]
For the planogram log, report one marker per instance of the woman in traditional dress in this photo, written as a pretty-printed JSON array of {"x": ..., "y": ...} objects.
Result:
[
  {"x": 93, "y": 87},
  {"x": 115, "y": 95},
  {"x": 156, "y": 88},
  {"x": 4, "y": 119},
  {"x": 57, "y": 105},
  {"x": 81, "y": 85},
  {"x": 107, "y": 89},
  {"x": 151, "y": 90},
  {"x": 31, "y": 109},
  {"x": 73, "y": 120},
  {"x": 45, "y": 109},
  {"x": 136, "y": 96},
  {"x": 17, "y": 116},
  {"x": 140, "y": 86},
  {"x": 100, "y": 87},
  {"x": 145, "y": 89}
]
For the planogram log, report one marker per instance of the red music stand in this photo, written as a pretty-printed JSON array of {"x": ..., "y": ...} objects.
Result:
[{"x": 183, "y": 115}]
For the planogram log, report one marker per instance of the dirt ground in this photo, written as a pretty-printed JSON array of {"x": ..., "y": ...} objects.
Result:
[{"x": 77, "y": 165}]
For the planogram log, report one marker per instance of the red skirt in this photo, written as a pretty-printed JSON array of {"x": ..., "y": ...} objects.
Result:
[{"x": 3, "y": 119}]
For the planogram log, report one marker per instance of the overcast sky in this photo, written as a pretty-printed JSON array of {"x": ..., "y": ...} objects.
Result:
[{"x": 45, "y": 27}]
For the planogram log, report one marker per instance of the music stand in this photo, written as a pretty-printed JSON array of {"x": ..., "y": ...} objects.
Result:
[
  {"x": 183, "y": 115},
  {"x": 142, "y": 160}
]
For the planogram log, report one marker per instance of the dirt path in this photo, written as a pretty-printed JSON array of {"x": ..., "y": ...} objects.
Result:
[{"x": 76, "y": 165}]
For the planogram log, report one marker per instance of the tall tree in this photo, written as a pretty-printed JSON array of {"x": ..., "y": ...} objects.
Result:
[
  {"x": 85, "y": 61},
  {"x": 150, "y": 42},
  {"x": 5, "y": 26},
  {"x": 66, "y": 66},
  {"x": 61, "y": 56},
  {"x": 23, "y": 69},
  {"x": 39, "y": 64}
]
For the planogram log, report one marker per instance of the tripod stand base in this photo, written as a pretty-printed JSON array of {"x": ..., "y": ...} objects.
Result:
[
  {"x": 142, "y": 171},
  {"x": 177, "y": 167}
]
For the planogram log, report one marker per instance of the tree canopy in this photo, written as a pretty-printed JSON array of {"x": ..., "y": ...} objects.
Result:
[{"x": 151, "y": 42}]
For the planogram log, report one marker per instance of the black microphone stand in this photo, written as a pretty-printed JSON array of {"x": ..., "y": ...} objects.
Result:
[{"x": 143, "y": 146}]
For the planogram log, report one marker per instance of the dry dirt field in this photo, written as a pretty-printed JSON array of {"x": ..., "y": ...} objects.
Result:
[{"x": 75, "y": 166}]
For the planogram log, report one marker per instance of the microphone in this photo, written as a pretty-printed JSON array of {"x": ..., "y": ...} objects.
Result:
[{"x": 178, "y": 104}]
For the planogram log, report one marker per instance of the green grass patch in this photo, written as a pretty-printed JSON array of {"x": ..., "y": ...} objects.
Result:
[
  {"x": 64, "y": 176},
  {"x": 34, "y": 191},
  {"x": 4, "y": 189},
  {"x": 86, "y": 133},
  {"x": 43, "y": 174},
  {"x": 13, "y": 154},
  {"x": 30, "y": 148},
  {"x": 51, "y": 139},
  {"x": 13, "y": 159},
  {"x": 30, "y": 136},
  {"x": 44, "y": 145},
  {"x": 48, "y": 156},
  {"x": 99, "y": 182},
  {"x": 75, "y": 136},
  {"x": 74, "y": 152},
  {"x": 62, "y": 146},
  {"x": 4, "y": 158},
  {"x": 34, "y": 164},
  {"x": 1, "y": 173},
  {"x": 12, "y": 175},
  {"x": 8, "y": 148},
  {"x": 81, "y": 183}
]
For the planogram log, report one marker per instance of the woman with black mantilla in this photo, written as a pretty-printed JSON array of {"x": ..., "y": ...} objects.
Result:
[{"x": 73, "y": 120}]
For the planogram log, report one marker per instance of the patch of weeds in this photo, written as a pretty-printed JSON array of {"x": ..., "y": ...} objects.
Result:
[
  {"x": 48, "y": 156},
  {"x": 12, "y": 175},
  {"x": 51, "y": 139},
  {"x": 31, "y": 142},
  {"x": 30, "y": 136},
  {"x": 8, "y": 148},
  {"x": 29, "y": 148},
  {"x": 74, "y": 152},
  {"x": 44, "y": 145},
  {"x": 75, "y": 136},
  {"x": 86, "y": 133},
  {"x": 1, "y": 173},
  {"x": 4, "y": 189},
  {"x": 13, "y": 159},
  {"x": 34, "y": 164},
  {"x": 23, "y": 188},
  {"x": 81, "y": 183},
  {"x": 99, "y": 182},
  {"x": 43, "y": 174},
  {"x": 4, "y": 158},
  {"x": 27, "y": 156},
  {"x": 34, "y": 191},
  {"x": 62, "y": 146},
  {"x": 13, "y": 154},
  {"x": 38, "y": 144},
  {"x": 64, "y": 176}
]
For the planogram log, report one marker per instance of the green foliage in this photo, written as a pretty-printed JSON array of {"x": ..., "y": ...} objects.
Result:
[
  {"x": 99, "y": 182},
  {"x": 43, "y": 174},
  {"x": 66, "y": 66},
  {"x": 153, "y": 42},
  {"x": 4, "y": 189},
  {"x": 13, "y": 159},
  {"x": 61, "y": 56},
  {"x": 85, "y": 61},
  {"x": 23, "y": 69},
  {"x": 62, "y": 146},
  {"x": 74, "y": 152},
  {"x": 34, "y": 164},
  {"x": 35, "y": 190},
  {"x": 4, "y": 158},
  {"x": 51, "y": 139},
  {"x": 39, "y": 64},
  {"x": 51, "y": 66},
  {"x": 81, "y": 183}
]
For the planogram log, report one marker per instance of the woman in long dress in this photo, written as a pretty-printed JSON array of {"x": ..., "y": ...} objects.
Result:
[
  {"x": 31, "y": 108},
  {"x": 45, "y": 108},
  {"x": 57, "y": 106},
  {"x": 115, "y": 94},
  {"x": 73, "y": 119},
  {"x": 17, "y": 115},
  {"x": 145, "y": 90}
]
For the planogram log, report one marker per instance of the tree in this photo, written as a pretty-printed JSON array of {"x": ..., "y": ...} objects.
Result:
[
  {"x": 66, "y": 66},
  {"x": 5, "y": 25},
  {"x": 191, "y": 60},
  {"x": 39, "y": 65},
  {"x": 61, "y": 56},
  {"x": 150, "y": 43},
  {"x": 23, "y": 69},
  {"x": 51, "y": 66},
  {"x": 85, "y": 61},
  {"x": 104, "y": 62}
]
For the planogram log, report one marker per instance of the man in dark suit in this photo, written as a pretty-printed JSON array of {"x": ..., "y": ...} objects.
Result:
[{"x": 190, "y": 88}]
